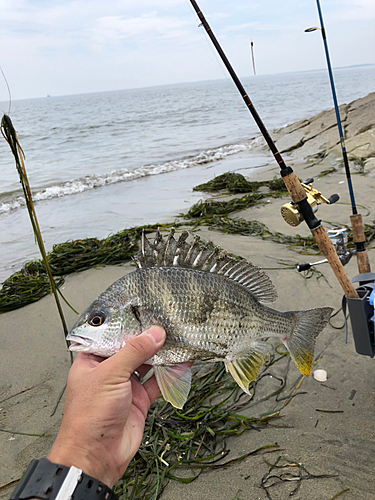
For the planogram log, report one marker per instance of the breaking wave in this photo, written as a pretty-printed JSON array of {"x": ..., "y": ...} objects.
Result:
[{"x": 15, "y": 201}]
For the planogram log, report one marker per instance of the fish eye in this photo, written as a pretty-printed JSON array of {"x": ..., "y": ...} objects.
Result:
[{"x": 97, "y": 319}]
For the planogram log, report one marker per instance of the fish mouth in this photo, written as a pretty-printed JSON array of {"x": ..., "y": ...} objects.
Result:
[{"x": 78, "y": 343}]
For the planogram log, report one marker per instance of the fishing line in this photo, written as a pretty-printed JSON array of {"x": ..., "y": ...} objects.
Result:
[
  {"x": 206, "y": 37},
  {"x": 9, "y": 94}
]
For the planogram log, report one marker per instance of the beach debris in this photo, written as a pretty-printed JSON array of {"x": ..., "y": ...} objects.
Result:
[
  {"x": 352, "y": 394},
  {"x": 211, "y": 307},
  {"x": 18, "y": 393},
  {"x": 25, "y": 433},
  {"x": 329, "y": 411},
  {"x": 288, "y": 471},
  {"x": 320, "y": 375},
  {"x": 340, "y": 493},
  {"x": 8, "y": 485}
]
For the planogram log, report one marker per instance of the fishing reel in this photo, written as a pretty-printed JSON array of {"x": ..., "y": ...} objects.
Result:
[
  {"x": 361, "y": 310},
  {"x": 290, "y": 211},
  {"x": 339, "y": 238}
]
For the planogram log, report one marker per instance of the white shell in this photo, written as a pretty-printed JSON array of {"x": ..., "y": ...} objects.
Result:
[{"x": 320, "y": 375}]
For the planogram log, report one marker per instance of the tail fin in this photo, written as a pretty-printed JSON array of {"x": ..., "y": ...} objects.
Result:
[{"x": 301, "y": 342}]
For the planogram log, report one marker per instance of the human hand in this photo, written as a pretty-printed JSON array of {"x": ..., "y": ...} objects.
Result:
[{"x": 105, "y": 409}]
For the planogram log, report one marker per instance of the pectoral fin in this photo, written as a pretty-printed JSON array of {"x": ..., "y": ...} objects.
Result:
[
  {"x": 245, "y": 368},
  {"x": 174, "y": 383}
]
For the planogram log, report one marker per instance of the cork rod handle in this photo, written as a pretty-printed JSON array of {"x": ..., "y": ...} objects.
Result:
[
  {"x": 359, "y": 239},
  {"x": 328, "y": 250}
]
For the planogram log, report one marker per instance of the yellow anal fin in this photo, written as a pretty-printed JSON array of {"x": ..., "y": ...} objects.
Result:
[
  {"x": 246, "y": 367},
  {"x": 174, "y": 382}
]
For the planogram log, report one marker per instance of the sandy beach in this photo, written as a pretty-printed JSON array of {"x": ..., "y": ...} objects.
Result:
[{"x": 328, "y": 427}]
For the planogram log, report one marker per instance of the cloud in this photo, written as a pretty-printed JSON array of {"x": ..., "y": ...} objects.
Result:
[
  {"x": 110, "y": 29},
  {"x": 70, "y": 46},
  {"x": 354, "y": 10}
]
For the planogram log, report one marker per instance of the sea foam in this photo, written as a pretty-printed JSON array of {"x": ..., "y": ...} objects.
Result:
[{"x": 80, "y": 185}]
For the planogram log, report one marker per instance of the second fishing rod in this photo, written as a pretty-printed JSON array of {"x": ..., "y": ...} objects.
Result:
[
  {"x": 295, "y": 188},
  {"x": 355, "y": 218}
]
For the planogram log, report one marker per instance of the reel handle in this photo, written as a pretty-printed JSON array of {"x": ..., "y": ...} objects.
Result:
[
  {"x": 333, "y": 198},
  {"x": 303, "y": 267}
]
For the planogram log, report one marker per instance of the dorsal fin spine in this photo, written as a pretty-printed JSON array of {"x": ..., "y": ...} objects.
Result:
[
  {"x": 178, "y": 253},
  {"x": 192, "y": 247},
  {"x": 196, "y": 261}
]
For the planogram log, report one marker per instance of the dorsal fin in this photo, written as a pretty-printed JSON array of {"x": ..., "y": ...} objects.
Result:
[{"x": 169, "y": 252}]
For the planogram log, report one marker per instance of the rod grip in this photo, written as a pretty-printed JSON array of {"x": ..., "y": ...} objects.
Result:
[
  {"x": 357, "y": 227},
  {"x": 359, "y": 239},
  {"x": 328, "y": 250},
  {"x": 293, "y": 185},
  {"x": 363, "y": 262}
]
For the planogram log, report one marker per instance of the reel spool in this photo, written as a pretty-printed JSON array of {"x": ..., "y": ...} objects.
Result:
[
  {"x": 290, "y": 211},
  {"x": 339, "y": 238}
]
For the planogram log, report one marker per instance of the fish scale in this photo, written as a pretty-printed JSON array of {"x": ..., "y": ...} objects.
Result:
[{"x": 211, "y": 307}]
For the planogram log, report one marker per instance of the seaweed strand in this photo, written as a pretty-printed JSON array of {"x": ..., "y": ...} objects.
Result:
[{"x": 10, "y": 135}]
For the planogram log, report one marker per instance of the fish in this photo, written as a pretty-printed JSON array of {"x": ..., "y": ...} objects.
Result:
[{"x": 212, "y": 307}]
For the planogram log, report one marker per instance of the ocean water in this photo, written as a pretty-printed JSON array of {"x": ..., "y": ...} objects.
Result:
[{"x": 98, "y": 163}]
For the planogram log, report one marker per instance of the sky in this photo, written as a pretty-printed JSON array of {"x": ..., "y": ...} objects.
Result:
[{"x": 60, "y": 47}]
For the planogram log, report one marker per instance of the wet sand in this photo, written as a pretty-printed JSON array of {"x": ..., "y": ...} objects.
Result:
[{"x": 34, "y": 364}]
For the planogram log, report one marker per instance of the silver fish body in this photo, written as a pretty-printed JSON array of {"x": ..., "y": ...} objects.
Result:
[{"x": 209, "y": 305}]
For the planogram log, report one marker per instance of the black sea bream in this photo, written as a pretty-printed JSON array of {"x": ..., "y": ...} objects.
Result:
[{"x": 210, "y": 306}]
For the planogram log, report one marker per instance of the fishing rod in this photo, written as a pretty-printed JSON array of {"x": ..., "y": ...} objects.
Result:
[
  {"x": 355, "y": 218},
  {"x": 252, "y": 55},
  {"x": 295, "y": 188}
]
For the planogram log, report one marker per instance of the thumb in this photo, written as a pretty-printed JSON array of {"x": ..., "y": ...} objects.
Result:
[{"x": 137, "y": 351}]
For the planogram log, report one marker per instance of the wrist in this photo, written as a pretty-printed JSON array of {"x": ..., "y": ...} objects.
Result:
[
  {"x": 45, "y": 480},
  {"x": 93, "y": 464}
]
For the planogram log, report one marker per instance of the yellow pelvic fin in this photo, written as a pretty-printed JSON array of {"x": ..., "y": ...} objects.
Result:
[
  {"x": 246, "y": 367},
  {"x": 174, "y": 382}
]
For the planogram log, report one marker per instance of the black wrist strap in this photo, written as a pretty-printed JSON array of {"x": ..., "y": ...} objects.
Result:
[{"x": 49, "y": 481}]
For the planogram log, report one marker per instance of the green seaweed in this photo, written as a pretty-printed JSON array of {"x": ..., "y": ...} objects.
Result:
[
  {"x": 31, "y": 282},
  {"x": 230, "y": 181},
  {"x": 237, "y": 183},
  {"x": 290, "y": 472},
  {"x": 323, "y": 173},
  {"x": 216, "y": 207},
  {"x": 179, "y": 445}
]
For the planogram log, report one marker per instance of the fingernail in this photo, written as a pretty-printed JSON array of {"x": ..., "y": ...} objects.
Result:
[{"x": 157, "y": 333}]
